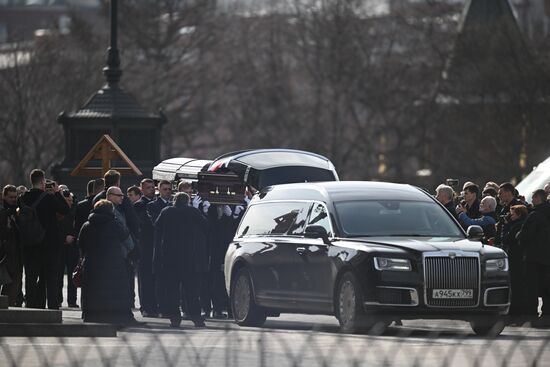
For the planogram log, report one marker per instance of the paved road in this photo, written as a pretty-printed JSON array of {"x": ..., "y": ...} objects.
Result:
[{"x": 291, "y": 340}]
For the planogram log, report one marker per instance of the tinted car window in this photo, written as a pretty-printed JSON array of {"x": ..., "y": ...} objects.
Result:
[
  {"x": 281, "y": 175},
  {"x": 319, "y": 217},
  {"x": 395, "y": 218},
  {"x": 274, "y": 218}
]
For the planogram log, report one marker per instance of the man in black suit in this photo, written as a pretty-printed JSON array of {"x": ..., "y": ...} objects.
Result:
[
  {"x": 163, "y": 200},
  {"x": 112, "y": 178},
  {"x": 42, "y": 260},
  {"x": 146, "y": 278},
  {"x": 153, "y": 211},
  {"x": 181, "y": 252}
]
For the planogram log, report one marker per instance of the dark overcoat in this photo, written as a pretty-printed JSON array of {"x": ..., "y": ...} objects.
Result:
[
  {"x": 180, "y": 241},
  {"x": 146, "y": 231},
  {"x": 535, "y": 235},
  {"x": 105, "y": 286},
  {"x": 83, "y": 210}
]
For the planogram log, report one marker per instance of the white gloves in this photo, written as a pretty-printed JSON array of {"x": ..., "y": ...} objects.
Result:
[
  {"x": 237, "y": 211},
  {"x": 247, "y": 200},
  {"x": 196, "y": 201},
  {"x": 223, "y": 210},
  {"x": 205, "y": 206}
]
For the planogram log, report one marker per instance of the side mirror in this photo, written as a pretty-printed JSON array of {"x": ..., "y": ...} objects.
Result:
[
  {"x": 317, "y": 232},
  {"x": 475, "y": 233}
]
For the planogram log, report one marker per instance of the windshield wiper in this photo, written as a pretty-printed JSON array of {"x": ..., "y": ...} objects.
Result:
[{"x": 409, "y": 235}]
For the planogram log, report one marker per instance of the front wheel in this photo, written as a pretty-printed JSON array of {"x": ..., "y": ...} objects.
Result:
[
  {"x": 488, "y": 327},
  {"x": 245, "y": 311},
  {"x": 349, "y": 308}
]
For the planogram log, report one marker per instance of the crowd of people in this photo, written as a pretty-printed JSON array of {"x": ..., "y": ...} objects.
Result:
[
  {"x": 174, "y": 242},
  {"x": 521, "y": 229}
]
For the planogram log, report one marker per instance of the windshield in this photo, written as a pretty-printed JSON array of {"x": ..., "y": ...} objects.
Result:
[{"x": 395, "y": 218}]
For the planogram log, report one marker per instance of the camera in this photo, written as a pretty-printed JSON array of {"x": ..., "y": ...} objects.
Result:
[{"x": 453, "y": 182}]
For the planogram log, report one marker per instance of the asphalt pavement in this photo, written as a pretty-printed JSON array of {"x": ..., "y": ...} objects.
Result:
[{"x": 289, "y": 340}]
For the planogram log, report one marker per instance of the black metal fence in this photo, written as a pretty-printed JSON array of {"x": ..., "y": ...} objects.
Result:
[{"x": 230, "y": 346}]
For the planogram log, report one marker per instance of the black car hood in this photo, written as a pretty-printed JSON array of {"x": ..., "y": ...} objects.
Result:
[{"x": 420, "y": 244}]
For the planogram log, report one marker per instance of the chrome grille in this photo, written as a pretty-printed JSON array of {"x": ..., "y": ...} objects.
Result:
[{"x": 443, "y": 272}]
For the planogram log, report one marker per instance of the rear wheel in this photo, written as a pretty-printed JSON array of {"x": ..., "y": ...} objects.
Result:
[
  {"x": 349, "y": 308},
  {"x": 245, "y": 311},
  {"x": 491, "y": 326}
]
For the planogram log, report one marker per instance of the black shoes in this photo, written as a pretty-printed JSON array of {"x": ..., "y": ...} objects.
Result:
[
  {"x": 219, "y": 315},
  {"x": 73, "y": 305},
  {"x": 175, "y": 322},
  {"x": 149, "y": 314},
  {"x": 199, "y": 322},
  {"x": 132, "y": 323}
]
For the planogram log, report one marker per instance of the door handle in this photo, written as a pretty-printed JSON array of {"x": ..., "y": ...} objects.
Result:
[{"x": 301, "y": 250}]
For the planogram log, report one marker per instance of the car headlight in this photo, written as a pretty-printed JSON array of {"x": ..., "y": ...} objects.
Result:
[
  {"x": 385, "y": 263},
  {"x": 497, "y": 264}
]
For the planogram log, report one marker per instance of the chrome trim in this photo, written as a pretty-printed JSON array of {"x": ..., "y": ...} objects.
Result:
[
  {"x": 454, "y": 254},
  {"x": 412, "y": 290},
  {"x": 496, "y": 304}
]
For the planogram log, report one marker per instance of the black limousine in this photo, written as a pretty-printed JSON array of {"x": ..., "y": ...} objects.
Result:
[{"x": 365, "y": 252}]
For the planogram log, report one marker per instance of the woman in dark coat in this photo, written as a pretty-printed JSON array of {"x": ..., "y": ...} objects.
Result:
[
  {"x": 510, "y": 242},
  {"x": 181, "y": 257},
  {"x": 105, "y": 291}
]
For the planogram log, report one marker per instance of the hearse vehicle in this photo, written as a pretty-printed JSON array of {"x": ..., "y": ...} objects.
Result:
[
  {"x": 224, "y": 180},
  {"x": 366, "y": 252}
]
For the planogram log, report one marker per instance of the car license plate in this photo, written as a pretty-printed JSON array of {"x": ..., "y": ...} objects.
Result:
[{"x": 453, "y": 293}]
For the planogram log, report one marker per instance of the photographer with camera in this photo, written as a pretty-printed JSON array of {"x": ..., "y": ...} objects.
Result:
[
  {"x": 487, "y": 221},
  {"x": 40, "y": 238}
]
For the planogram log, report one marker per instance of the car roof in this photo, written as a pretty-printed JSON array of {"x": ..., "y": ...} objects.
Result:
[
  {"x": 343, "y": 191},
  {"x": 261, "y": 159}
]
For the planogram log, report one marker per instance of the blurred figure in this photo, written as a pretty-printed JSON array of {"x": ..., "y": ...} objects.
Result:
[
  {"x": 105, "y": 291},
  {"x": 535, "y": 241},
  {"x": 133, "y": 193},
  {"x": 10, "y": 248},
  {"x": 21, "y": 190},
  {"x": 185, "y": 186}
]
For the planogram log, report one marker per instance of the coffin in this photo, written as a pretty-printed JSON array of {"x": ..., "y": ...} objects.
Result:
[{"x": 221, "y": 188}]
